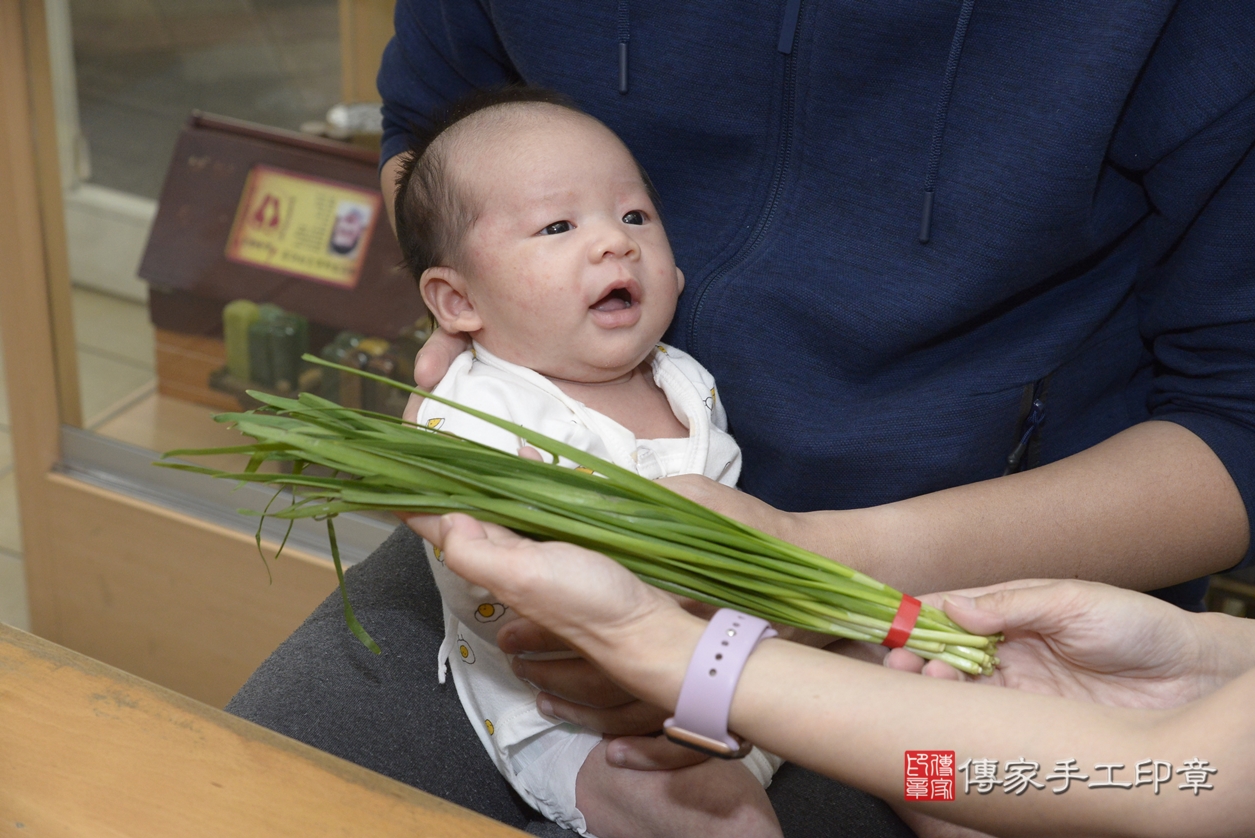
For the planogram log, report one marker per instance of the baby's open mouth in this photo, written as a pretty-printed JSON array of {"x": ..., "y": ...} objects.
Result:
[{"x": 617, "y": 300}]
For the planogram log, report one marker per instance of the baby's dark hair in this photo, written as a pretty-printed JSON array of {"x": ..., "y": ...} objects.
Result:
[{"x": 431, "y": 214}]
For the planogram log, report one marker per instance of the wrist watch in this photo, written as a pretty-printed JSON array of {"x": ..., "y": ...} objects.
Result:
[{"x": 701, "y": 715}]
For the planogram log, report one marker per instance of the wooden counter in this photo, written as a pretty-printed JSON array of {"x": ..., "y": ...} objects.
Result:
[{"x": 86, "y": 749}]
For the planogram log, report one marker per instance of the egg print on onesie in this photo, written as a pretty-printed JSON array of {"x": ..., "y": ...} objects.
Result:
[{"x": 465, "y": 653}]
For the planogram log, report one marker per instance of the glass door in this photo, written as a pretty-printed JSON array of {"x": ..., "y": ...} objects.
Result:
[
  {"x": 139, "y": 69},
  {"x": 133, "y": 113}
]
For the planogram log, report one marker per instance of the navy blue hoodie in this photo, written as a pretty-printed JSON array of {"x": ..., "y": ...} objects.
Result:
[{"x": 923, "y": 238}]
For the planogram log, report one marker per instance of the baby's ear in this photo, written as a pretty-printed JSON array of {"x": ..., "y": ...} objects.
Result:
[
  {"x": 444, "y": 291},
  {"x": 679, "y": 279}
]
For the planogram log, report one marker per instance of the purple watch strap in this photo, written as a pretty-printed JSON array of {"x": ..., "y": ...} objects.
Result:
[{"x": 701, "y": 714}]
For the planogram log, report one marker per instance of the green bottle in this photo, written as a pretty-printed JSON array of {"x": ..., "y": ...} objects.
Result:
[
  {"x": 289, "y": 338},
  {"x": 260, "y": 355},
  {"x": 237, "y": 316}
]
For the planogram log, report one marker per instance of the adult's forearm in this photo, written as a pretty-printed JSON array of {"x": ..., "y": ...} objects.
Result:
[
  {"x": 853, "y": 721},
  {"x": 1150, "y": 507}
]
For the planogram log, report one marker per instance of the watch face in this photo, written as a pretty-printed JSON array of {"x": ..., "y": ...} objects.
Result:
[{"x": 706, "y": 745}]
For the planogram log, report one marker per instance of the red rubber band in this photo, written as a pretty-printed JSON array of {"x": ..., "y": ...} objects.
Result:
[{"x": 903, "y": 623}]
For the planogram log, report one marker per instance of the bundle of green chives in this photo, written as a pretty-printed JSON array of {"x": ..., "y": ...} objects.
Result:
[{"x": 378, "y": 462}]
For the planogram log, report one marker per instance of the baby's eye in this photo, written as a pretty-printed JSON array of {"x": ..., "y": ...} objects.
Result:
[
  {"x": 634, "y": 217},
  {"x": 555, "y": 228}
]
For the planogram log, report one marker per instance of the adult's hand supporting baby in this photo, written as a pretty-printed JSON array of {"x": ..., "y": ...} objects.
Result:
[
  {"x": 595, "y": 604},
  {"x": 577, "y": 691},
  {"x": 431, "y": 364}
]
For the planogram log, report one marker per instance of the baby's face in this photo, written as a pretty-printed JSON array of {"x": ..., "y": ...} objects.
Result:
[{"x": 567, "y": 266}]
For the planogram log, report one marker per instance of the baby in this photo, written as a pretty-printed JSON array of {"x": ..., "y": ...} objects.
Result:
[{"x": 534, "y": 232}]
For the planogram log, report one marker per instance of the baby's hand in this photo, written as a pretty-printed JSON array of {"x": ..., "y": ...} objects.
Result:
[{"x": 431, "y": 364}]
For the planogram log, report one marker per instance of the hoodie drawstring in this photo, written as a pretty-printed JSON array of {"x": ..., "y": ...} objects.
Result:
[
  {"x": 788, "y": 27},
  {"x": 788, "y": 32},
  {"x": 625, "y": 34},
  {"x": 939, "y": 121}
]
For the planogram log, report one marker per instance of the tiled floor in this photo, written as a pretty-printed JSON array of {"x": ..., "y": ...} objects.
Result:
[
  {"x": 144, "y": 65},
  {"x": 115, "y": 361},
  {"x": 115, "y": 354}
]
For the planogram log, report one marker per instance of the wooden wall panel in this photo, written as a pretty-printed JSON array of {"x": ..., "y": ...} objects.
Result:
[{"x": 169, "y": 597}]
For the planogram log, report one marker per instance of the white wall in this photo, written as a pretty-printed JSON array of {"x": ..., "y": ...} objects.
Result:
[{"x": 106, "y": 229}]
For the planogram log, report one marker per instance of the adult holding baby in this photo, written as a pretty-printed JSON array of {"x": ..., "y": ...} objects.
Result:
[{"x": 921, "y": 250}]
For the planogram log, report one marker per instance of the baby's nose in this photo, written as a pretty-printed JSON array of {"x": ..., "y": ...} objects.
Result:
[{"x": 615, "y": 242}]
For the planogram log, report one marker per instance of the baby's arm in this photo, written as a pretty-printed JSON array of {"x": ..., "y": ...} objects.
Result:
[{"x": 715, "y": 797}]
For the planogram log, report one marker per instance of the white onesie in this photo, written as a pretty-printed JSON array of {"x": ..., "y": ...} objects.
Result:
[{"x": 541, "y": 757}]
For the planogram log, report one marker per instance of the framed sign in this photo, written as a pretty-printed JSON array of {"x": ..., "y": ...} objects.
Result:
[
  {"x": 303, "y": 226},
  {"x": 258, "y": 213}
]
